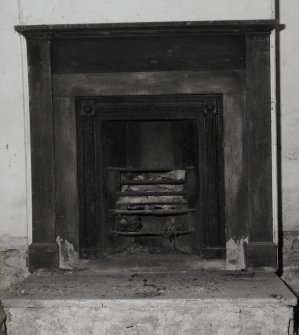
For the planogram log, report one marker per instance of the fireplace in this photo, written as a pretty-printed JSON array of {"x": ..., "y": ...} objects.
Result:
[
  {"x": 152, "y": 138},
  {"x": 151, "y": 175}
]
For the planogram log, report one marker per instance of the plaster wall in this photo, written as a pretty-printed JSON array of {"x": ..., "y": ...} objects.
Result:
[
  {"x": 104, "y": 11},
  {"x": 15, "y": 206},
  {"x": 289, "y": 74},
  {"x": 12, "y": 119},
  {"x": 13, "y": 190},
  {"x": 289, "y": 53}
]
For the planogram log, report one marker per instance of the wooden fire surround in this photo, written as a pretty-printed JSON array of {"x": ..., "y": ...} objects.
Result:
[{"x": 230, "y": 58}]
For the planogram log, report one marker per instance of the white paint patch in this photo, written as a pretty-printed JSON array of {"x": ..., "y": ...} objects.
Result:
[
  {"x": 235, "y": 254},
  {"x": 68, "y": 257}
]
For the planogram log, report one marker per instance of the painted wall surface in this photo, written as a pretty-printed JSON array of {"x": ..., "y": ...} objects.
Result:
[
  {"x": 13, "y": 175},
  {"x": 289, "y": 74},
  {"x": 12, "y": 137},
  {"x": 104, "y": 11},
  {"x": 289, "y": 53}
]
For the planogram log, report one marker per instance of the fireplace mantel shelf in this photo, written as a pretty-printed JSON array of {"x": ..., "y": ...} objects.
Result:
[{"x": 123, "y": 29}]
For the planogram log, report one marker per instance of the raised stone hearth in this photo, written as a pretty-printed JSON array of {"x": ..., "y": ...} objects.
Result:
[{"x": 149, "y": 303}]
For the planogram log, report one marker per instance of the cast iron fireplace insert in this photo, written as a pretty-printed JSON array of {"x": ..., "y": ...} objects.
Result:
[{"x": 151, "y": 175}]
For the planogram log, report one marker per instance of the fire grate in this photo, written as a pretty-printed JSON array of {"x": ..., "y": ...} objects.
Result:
[{"x": 138, "y": 192}]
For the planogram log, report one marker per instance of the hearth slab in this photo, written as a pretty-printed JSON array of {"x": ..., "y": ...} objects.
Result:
[
  {"x": 193, "y": 302},
  {"x": 92, "y": 285}
]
